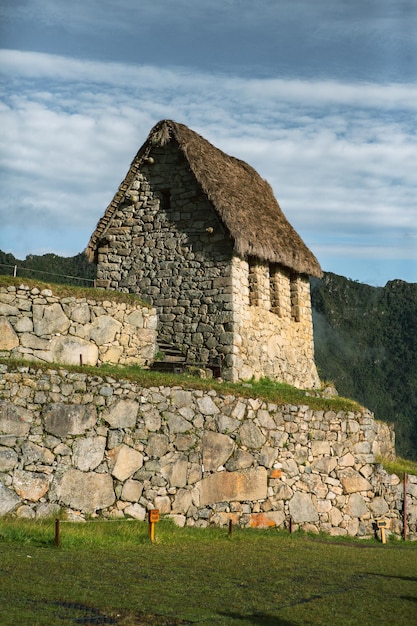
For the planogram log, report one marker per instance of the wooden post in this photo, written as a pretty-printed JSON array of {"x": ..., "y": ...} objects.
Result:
[
  {"x": 81, "y": 360},
  {"x": 57, "y": 533},
  {"x": 405, "y": 508},
  {"x": 230, "y": 527}
]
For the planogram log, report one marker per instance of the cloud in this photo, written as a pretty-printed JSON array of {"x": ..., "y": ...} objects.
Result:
[{"x": 340, "y": 156}]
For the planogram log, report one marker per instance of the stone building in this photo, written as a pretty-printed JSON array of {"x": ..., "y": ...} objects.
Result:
[{"x": 200, "y": 235}]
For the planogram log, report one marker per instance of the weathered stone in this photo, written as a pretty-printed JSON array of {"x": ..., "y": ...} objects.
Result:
[
  {"x": 251, "y": 436},
  {"x": 175, "y": 472},
  {"x": 250, "y": 484},
  {"x": 80, "y": 313},
  {"x": 8, "y": 459},
  {"x": 33, "y": 453},
  {"x": 8, "y": 309},
  {"x": 49, "y": 319},
  {"x": 152, "y": 419},
  {"x": 136, "y": 511},
  {"x": 23, "y": 325},
  {"x": 267, "y": 520},
  {"x": 325, "y": 464},
  {"x": 182, "y": 502},
  {"x": 73, "y": 351},
  {"x": 335, "y": 516},
  {"x": 379, "y": 507},
  {"x": 181, "y": 398},
  {"x": 302, "y": 508},
  {"x": 30, "y": 485},
  {"x": 104, "y": 329},
  {"x": 319, "y": 448},
  {"x": 8, "y": 337},
  {"x": 216, "y": 449},
  {"x": 206, "y": 406},
  {"x": 87, "y": 492},
  {"x": 14, "y": 420},
  {"x": 163, "y": 504},
  {"x": 135, "y": 318},
  {"x": 356, "y": 506},
  {"x": 88, "y": 452},
  {"x": 29, "y": 340},
  {"x": 128, "y": 461},
  {"x": 8, "y": 500},
  {"x": 132, "y": 490},
  {"x": 122, "y": 414},
  {"x": 240, "y": 460},
  {"x": 177, "y": 424},
  {"x": 283, "y": 492},
  {"x": 157, "y": 445},
  {"x": 69, "y": 419},
  {"x": 352, "y": 481}
]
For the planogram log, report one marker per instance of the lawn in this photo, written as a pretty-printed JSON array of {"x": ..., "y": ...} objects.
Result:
[{"x": 110, "y": 573}]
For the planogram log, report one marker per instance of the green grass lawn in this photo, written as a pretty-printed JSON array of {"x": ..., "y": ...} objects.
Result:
[{"x": 109, "y": 572}]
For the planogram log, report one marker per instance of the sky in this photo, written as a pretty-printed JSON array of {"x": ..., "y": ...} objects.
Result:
[{"x": 320, "y": 97}]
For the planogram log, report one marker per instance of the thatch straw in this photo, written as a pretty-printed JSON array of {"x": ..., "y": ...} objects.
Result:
[{"x": 244, "y": 201}]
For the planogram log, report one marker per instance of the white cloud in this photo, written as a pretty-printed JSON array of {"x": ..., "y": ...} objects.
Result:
[{"x": 339, "y": 156}]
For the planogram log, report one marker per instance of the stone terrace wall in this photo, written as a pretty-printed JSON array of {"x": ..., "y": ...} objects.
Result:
[
  {"x": 89, "y": 444},
  {"x": 40, "y": 326}
]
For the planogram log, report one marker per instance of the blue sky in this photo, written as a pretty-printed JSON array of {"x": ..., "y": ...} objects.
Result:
[{"x": 320, "y": 97}]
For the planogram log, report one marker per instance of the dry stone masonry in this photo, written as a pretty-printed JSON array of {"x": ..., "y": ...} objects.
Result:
[
  {"x": 166, "y": 242},
  {"x": 37, "y": 325},
  {"x": 92, "y": 445}
]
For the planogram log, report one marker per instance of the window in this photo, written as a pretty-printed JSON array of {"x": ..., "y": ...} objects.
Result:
[
  {"x": 295, "y": 298},
  {"x": 165, "y": 201},
  {"x": 275, "y": 289}
]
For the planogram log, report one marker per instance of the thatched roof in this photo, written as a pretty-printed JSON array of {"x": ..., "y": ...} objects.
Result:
[{"x": 243, "y": 200}]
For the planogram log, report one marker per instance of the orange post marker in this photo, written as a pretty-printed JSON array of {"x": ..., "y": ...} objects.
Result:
[{"x": 153, "y": 517}]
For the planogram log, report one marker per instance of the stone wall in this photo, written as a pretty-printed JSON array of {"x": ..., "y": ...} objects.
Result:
[
  {"x": 273, "y": 325},
  {"x": 90, "y": 445},
  {"x": 37, "y": 325},
  {"x": 166, "y": 243}
]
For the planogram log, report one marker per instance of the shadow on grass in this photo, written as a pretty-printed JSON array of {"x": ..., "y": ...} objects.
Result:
[{"x": 259, "y": 619}]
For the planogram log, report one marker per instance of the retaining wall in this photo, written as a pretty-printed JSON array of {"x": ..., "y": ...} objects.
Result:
[
  {"x": 37, "y": 325},
  {"x": 94, "y": 445}
]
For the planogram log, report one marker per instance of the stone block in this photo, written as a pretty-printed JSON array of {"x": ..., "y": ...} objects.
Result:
[
  {"x": 132, "y": 490},
  {"x": 88, "y": 452},
  {"x": 8, "y": 459},
  {"x": 216, "y": 450},
  {"x": 302, "y": 508},
  {"x": 128, "y": 461},
  {"x": 30, "y": 485},
  {"x": 62, "y": 419},
  {"x": 86, "y": 491},
  {"x": 356, "y": 506},
  {"x": 8, "y": 338},
  {"x": 14, "y": 420},
  {"x": 103, "y": 329},
  {"x": 250, "y": 484},
  {"x": 353, "y": 482},
  {"x": 267, "y": 520},
  {"x": 251, "y": 436},
  {"x": 49, "y": 319},
  {"x": 122, "y": 414},
  {"x": 8, "y": 500}
]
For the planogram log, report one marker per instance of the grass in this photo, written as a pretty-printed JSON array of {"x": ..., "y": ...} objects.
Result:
[
  {"x": 399, "y": 466},
  {"x": 71, "y": 291},
  {"x": 109, "y": 572},
  {"x": 265, "y": 389}
]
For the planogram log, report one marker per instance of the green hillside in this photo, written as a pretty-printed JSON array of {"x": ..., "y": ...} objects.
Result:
[{"x": 366, "y": 342}]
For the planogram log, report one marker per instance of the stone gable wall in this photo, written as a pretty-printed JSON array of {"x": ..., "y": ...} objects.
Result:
[
  {"x": 91, "y": 445},
  {"x": 166, "y": 243},
  {"x": 37, "y": 325}
]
